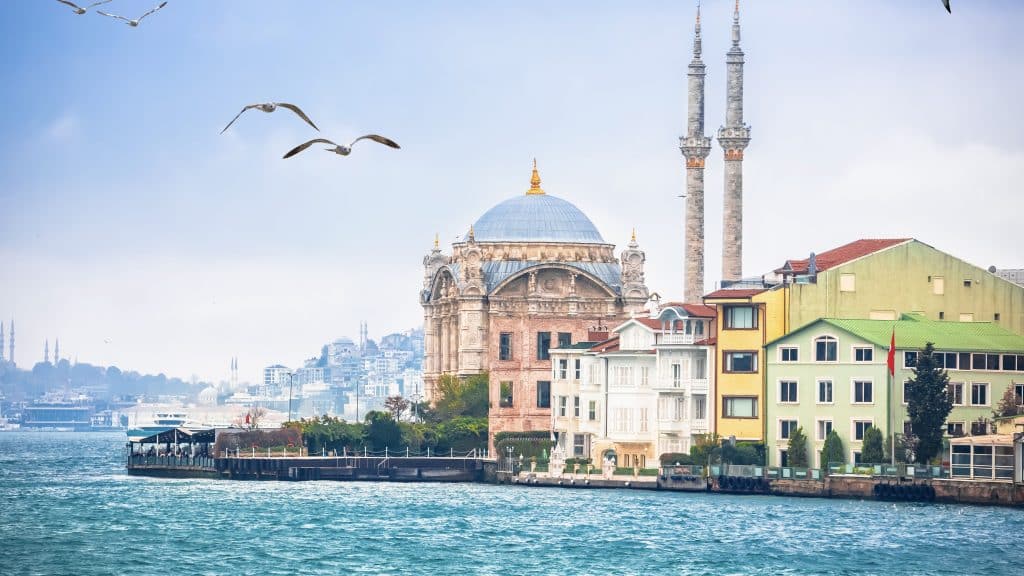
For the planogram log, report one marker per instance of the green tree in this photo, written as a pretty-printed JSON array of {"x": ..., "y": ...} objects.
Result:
[
  {"x": 832, "y": 452},
  {"x": 928, "y": 404},
  {"x": 797, "y": 449},
  {"x": 702, "y": 447},
  {"x": 382, "y": 431},
  {"x": 396, "y": 405},
  {"x": 871, "y": 451},
  {"x": 461, "y": 397}
]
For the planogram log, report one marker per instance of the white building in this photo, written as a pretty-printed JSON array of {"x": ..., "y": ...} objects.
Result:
[{"x": 639, "y": 394}]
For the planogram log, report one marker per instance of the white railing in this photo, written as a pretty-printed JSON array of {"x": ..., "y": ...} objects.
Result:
[
  {"x": 693, "y": 385},
  {"x": 699, "y": 426},
  {"x": 670, "y": 338}
]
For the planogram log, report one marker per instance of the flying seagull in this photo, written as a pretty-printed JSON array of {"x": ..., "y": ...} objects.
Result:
[
  {"x": 338, "y": 148},
  {"x": 129, "y": 21},
  {"x": 946, "y": 4},
  {"x": 78, "y": 9},
  {"x": 269, "y": 107}
]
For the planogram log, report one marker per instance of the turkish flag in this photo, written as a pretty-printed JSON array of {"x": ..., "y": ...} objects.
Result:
[
  {"x": 891, "y": 361},
  {"x": 247, "y": 420}
]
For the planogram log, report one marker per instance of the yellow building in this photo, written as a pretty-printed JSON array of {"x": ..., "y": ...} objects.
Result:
[{"x": 747, "y": 319}]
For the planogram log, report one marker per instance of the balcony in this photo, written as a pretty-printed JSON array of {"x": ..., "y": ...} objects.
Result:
[
  {"x": 689, "y": 385},
  {"x": 675, "y": 338}
]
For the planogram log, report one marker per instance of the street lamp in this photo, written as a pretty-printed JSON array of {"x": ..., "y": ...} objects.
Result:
[
  {"x": 415, "y": 400},
  {"x": 290, "y": 375}
]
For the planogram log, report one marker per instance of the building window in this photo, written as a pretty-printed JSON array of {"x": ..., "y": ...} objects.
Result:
[
  {"x": 740, "y": 317},
  {"x": 739, "y": 407},
  {"x": 862, "y": 392},
  {"x": 786, "y": 428},
  {"x": 964, "y": 361},
  {"x": 543, "y": 394},
  {"x": 855, "y": 457},
  {"x": 700, "y": 407},
  {"x": 938, "y": 285},
  {"x": 967, "y": 283},
  {"x": 643, "y": 419},
  {"x": 1010, "y": 362},
  {"x": 543, "y": 345},
  {"x": 942, "y": 315},
  {"x": 505, "y": 400},
  {"x": 563, "y": 368},
  {"x": 824, "y": 391},
  {"x": 677, "y": 375},
  {"x": 788, "y": 391},
  {"x": 955, "y": 428},
  {"x": 576, "y": 373},
  {"x": 980, "y": 428},
  {"x": 995, "y": 317},
  {"x": 622, "y": 420},
  {"x": 576, "y": 406},
  {"x": 859, "y": 426},
  {"x": 956, "y": 393},
  {"x": 592, "y": 410},
  {"x": 909, "y": 359},
  {"x": 863, "y": 354},
  {"x": 563, "y": 403},
  {"x": 825, "y": 349},
  {"x": 622, "y": 376},
  {"x": 505, "y": 346},
  {"x": 789, "y": 354},
  {"x": 979, "y": 394},
  {"x": 967, "y": 317},
  {"x": 945, "y": 360},
  {"x": 744, "y": 362},
  {"x": 644, "y": 374},
  {"x": 1018, "y": 393},
  {"x": 824, "y": 427},
  {"x": 579, "y": 444},
  {"x": 847, "y": 283},
  {"x": 564, "y": 339}
]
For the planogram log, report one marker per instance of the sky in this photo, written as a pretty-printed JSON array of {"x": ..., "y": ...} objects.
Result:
[{"x": 137, "y": 235}]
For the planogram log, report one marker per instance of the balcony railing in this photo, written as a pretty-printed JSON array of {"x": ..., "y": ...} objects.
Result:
[
  {"x": 670, "y": 338},
  {"x": 692, "y": 385}
]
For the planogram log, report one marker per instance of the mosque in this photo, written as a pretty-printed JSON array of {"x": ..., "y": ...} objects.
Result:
[{"x": 533, "y": 273}]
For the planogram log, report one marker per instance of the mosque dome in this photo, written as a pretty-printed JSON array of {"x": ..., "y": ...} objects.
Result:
[
  {"x": 208, "y": 396},
  {"x": 535, "y": 217}
]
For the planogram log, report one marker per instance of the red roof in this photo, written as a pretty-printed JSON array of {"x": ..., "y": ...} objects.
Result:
[
  {"x": 735, "y": 293},
  {"x": 608, "y": 345},
  {"x": 841, "y": 255},
  {"x": 700, "y": 310},
  {"x": 707, "y": 341},
  {"x": 650, "y": 322}
]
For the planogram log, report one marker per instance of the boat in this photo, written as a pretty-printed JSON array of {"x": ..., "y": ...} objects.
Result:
[{"x": 159, "y": 422}]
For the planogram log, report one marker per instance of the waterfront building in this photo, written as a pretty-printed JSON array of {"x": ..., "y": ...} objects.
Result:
[
  {"x": 747, "y": 318},
  {"x": 639, "y": 394},
  {"x": 883, "y": 278},
  {"x": 831, "y": 374},
  {"x": 533, "y": 273}
]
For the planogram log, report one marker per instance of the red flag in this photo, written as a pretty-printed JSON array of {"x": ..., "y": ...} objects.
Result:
[
  {"x": 247, "y": 421},
  {"x": 891, "y": 361}
]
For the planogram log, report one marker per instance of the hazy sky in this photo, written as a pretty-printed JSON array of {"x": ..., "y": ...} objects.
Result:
[{"x": 124, "y": 216}]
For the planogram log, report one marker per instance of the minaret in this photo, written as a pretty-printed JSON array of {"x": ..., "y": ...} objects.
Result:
[
  {"x": 10, "y": 346},
  {"x": 46, "y": 352},
  {"x": 56, "y": 351},
  {"x": 1, "y": 342},
  {"x": 734, "y": 138},
  {"x": 695, "y": 146}
]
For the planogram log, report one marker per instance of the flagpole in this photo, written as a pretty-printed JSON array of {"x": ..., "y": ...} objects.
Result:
[{"x": 890, "y": 370}]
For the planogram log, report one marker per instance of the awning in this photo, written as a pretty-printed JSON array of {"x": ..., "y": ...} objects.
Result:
[{"x": 178, "y": 436}]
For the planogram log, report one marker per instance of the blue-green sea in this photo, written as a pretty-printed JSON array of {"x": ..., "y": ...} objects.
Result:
[{"x": 67, "y": 507}]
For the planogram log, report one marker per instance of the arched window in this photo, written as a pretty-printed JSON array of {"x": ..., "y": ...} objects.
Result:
[{"x": 826, "y": 349}]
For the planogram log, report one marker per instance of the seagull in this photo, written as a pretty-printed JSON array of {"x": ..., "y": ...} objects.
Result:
[
  {"x": 130, "y": 22},
  {"x": 106, "y": 340},
  {"x": 338, "y": 148},
  {"x": 682, "y": 195},
  {"x": 269, "y": 107},
  {"x": 78, "y": 9},
  {"x": 946, "y": 4}
]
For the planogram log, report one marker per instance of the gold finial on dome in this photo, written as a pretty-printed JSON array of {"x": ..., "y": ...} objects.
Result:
[
  {"x": 534, "y": 181},
  {"x": 633, "y": 239},
  {"x": 437, "y": 241},
  {"x": 472, "y": 236}
]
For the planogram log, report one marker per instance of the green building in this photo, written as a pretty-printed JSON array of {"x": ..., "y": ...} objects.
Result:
[
  {"x": 831, "y": 374},
  {"x": 882, "y": 279}
]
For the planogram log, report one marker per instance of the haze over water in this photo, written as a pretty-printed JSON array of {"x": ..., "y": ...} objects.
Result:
[{"x": 68, "y": 506}]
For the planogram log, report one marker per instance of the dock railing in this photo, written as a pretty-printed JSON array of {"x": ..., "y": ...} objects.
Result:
[
  {"x": 183, "y": 462},
  {"x": 919, "y": 471},
  {"x": 792, "y": 473}
]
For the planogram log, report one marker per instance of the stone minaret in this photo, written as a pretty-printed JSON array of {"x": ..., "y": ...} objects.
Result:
[
  {"x": 733, "y": 137},
  {"x": 1, "y": 342},
  {"x": 695, "y": 146},
  {"x": 10, "y": 346},
  {"x": 46, "y": 352},
  {"x": 56, "y": 351}
]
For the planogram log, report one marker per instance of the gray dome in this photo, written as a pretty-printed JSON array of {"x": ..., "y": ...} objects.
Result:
[{"x": 536, "y": 218}]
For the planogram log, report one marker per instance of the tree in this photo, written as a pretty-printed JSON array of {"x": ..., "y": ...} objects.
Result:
[
  {"x": 382, "y": 431},
  {"x": 832, "y": 452},
  {"x": 1009, "y": 405},
  {"x": 796, "y": 453},
  {"x": 702, "y": 447},
  {"x": 928, "y": 404},
  {"x": 461, "y": 397},
  {"x": 871, "y": 451},
  {"x": 396, "y": 405},
  {"x": 252, "y": 418}
]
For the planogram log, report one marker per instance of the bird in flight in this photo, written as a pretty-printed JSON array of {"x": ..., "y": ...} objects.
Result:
[
  {"x": 78, "y": 9},
  {"x": 341, "y": 149},
  {"x": 129, "y": 21},
  {"x": 269, "y": 107},
  {"x": 946, "y": 4}
]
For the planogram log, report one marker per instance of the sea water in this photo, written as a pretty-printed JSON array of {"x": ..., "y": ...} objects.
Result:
[{"x": 67, "y": 506}]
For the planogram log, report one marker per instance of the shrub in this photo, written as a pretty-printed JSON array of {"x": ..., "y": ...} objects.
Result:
[
  {"x": 670, "y": 458},
  {"x": 797, "y": 449},
  {"x": 832, "y": 451},
  {"x": 871, "y": 451}
]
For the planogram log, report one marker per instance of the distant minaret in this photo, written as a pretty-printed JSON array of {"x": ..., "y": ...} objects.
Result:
[
  {"x": 1, "y": 342},
  {"x": 695, "y": 146},
  {"x": 46, "y": 352},
  {"x": 10, "y": 346},
  {"x": 56, "y": 351},
  {"x": 734, "y": 138}
]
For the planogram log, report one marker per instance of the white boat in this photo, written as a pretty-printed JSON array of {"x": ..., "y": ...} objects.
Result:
[{"x": 159, "y": 422}]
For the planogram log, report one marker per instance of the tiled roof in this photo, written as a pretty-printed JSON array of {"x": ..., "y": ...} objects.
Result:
[
  {"x": 575, "y": 346},
  {"x": 737, "y": 293},
  {"x": 649, "y": 322},
  {"x": 700, "y": 310},
  {"x": 841, "y": 255},
  {"x": 608, "y": 345},
  {"x": 913, "y": 332}
]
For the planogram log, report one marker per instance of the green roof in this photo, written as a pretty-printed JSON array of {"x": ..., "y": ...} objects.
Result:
[
  {"x": 914, "y": 331},
  {"x": 576, "y": 346}
]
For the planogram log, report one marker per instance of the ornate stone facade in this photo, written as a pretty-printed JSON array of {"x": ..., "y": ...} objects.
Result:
[{"x": 531, "y": 273}]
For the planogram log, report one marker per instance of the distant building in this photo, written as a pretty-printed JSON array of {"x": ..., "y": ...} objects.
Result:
[{"x": 1013, "y": 275}]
